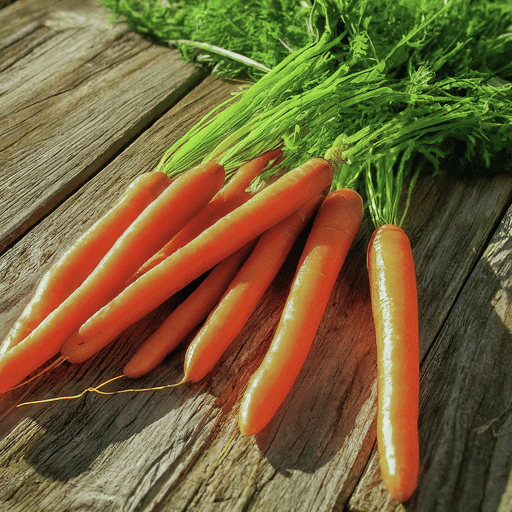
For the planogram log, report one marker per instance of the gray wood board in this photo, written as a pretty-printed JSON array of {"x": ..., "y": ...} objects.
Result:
[{"x": 74, "y": 91}]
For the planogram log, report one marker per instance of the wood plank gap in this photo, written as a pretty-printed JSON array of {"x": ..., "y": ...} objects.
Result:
[
  {"x": 96, "y": 166},
  {"x": 347, "y": 505},
  {"x": 492, "y": 232},
  {"x": 467, "y": 379}
]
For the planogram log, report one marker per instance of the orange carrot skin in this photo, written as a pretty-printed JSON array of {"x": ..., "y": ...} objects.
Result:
[
  {"x": 186, "y": 317},
  {"x": 230, "y": 197},
  {"x": 248, "y": 171},
  {"x": 211, "y": 213},
  {"x": 228, "y": 234},
  {"x": 334, "y": 229},
  {"x": 243, "y": 294},
  {"x": 79, "y": 260},
  {"x": 159, "y": 221},
  {"x": 395, "y": 313}
]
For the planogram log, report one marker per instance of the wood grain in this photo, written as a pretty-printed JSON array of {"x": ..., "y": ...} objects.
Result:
[
  {"x": 467, "y": 390},
  {"x": 74, "y": 92},
  {"x": 20, "y": 269},
  {"x": 312, "y": 456}
]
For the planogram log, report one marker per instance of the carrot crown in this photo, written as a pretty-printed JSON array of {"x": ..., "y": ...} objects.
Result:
[{"x": 383, "y": 90}]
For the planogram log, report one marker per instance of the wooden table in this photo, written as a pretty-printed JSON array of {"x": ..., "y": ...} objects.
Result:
[{"x": 84, "y": 108}]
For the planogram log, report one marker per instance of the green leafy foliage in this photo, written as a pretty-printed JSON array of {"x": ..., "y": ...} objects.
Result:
[
  {"x": 384, "y": 90},
  {"x": 265, "y": 31}
]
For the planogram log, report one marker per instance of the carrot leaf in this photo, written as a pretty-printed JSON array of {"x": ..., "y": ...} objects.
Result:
[{"x": 383, "y": 90}]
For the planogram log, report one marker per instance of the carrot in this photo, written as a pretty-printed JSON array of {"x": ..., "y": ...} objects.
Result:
[
  {"x": 79, "y": 260},
  {"x": 230, "y": 197},
  {"x": 228, "y": 234},
  {"x": 395, "y": 313},
  {"x": 243, "y": 294},
  {"x": 248, "y": 171},
  {"x": 186, "y": 317},
  {"x": 334, "y": 228},
  {"x": 159, "y": 221}
]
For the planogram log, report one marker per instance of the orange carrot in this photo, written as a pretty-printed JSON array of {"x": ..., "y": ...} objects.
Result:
[
  {"x": 228, "y": 234},
  {"x": 159, "y": 221},
  {"x": 231, "y": 196},
  {"x": 186, "y": 317},
  {"x": 395, "y": 313},
  {"x": 243, "y": 294},
  {"x": 243, "y": 177},
  {"x": 203, "y": 220},
  {"x": 71, "y": 269},
  {"x": 334, "y": 228}
]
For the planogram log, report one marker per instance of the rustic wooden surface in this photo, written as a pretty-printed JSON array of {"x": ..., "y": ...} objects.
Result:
[{"x": 85, "y": 107}]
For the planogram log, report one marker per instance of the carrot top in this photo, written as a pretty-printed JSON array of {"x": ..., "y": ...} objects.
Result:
[{"x": 383, "y": 90}]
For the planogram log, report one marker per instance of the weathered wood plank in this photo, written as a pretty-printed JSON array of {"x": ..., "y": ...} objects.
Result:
[
  {"x": 50, "y": 237},
  {"x": 22, "y": 265},
  {"x": 467, "y": 390},
  {"x": 74, "y": 92},
  {"x": 179, "y": 449}
]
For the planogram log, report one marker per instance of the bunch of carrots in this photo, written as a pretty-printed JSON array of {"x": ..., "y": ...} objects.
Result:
[
  {"x": 371, "y": 102},
  {"x": 162, "y": 234}
]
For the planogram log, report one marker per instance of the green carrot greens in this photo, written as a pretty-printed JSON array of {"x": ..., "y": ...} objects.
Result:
[
  {"x": 383, "y": 90},
  {"x": 262, "y": 31}
]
